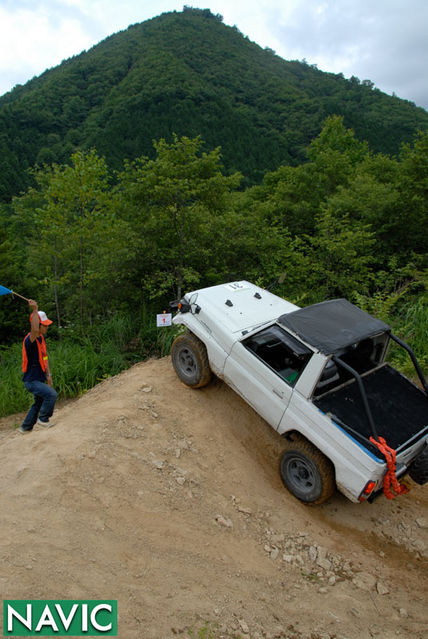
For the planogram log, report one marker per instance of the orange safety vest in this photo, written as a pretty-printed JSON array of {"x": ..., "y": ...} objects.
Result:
[{"x": 43, "y": 355}]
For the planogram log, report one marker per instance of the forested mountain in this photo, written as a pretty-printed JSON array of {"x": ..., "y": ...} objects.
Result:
[{"x": 188, "y": 73}]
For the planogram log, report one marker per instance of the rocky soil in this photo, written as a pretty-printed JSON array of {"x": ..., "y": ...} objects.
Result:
[{"x": 169, "y": 500}]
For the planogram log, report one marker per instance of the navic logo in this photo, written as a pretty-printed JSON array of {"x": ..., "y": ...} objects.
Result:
[{"x": 59, "y": 618}]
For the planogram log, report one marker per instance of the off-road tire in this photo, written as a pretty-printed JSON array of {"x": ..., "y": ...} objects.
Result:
[
  {"x": 306, "y": 472},
  {"x": 418, "y": 470},
  {"x": 190, "y": 360}
]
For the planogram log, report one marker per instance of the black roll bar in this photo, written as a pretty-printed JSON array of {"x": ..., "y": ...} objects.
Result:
[
  {"x": 363, "y": 394},
  {"x": 414, "y": 360}
]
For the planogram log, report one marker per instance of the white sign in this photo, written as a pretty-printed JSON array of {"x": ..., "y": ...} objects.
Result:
[{"x": 164, "y": 319}]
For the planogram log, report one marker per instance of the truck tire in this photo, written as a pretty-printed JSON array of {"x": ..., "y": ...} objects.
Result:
[
  {"x": 418, "y": 471},
  {"x": 306, "y": 472},
  {"x": 190, "y": 360}
]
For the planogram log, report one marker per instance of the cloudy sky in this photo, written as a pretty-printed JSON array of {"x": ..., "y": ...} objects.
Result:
[{"x": 384, "y": 41}]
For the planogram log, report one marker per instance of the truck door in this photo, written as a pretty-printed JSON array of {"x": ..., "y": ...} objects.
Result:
[{"x": 264, "y": 368}]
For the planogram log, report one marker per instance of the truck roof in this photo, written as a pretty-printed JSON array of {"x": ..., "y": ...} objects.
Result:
[
  {"x": 240, "y": 305},
  {"x": 333, "y": 325}
]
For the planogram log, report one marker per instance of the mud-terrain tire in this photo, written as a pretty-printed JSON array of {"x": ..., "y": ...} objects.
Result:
[
  {"x": 306, "y": 472},
  {"x": 190, "y": 360},
  {"x": 418, "y": 471}
]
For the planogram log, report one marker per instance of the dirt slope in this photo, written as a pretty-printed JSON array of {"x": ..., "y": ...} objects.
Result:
[{"x": 169, "y": 500}]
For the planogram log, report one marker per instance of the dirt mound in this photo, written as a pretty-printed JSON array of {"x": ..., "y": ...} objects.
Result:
[{"x": 169, "y": 500}]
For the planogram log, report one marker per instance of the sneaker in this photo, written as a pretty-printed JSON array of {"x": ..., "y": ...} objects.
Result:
[
  {"x": 46, "y": 424},
  {"x": 24, "y": 431}
]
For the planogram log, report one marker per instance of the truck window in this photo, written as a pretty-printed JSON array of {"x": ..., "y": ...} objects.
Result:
[
  {"x": 362, "y": 357},
  {"x": 280, "y": 351}
]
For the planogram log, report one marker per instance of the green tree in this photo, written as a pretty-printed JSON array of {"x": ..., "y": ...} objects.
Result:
[
  {"x": 413, "y": 185},
  {"x": 10, "y": 309},
  {"x": 180, "y": 201},
  {"x": 78, "y": 244},
  {"x": 259, "y": 249},
  {"x": 340, "y": 254},
  {"x": 333, "y": 156},
  {"x": 295, "y": 194}
]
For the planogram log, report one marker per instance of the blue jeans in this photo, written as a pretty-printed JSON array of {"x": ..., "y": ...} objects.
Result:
[{"x": 44, "y": 402}]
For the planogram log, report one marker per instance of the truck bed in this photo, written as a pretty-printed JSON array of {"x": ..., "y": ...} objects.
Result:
[{"x": 399, "y": 408}]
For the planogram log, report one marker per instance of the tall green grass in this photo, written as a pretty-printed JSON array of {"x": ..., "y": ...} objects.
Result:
[
  {"x": 412, "y": 326},
  {"x": 13, "y": 396},
  {"x": 80, "y": 359},
  {"x": 407, "y": 314}
]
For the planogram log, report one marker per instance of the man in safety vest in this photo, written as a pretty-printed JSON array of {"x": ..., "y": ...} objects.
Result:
[{"x": 37, "y": 377}]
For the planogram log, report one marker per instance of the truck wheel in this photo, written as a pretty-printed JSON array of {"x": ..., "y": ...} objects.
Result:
[
  {"x": 306, "y": 472},
  {"x": 418, "y": 471},
  {"x": 190, "y": 360}
]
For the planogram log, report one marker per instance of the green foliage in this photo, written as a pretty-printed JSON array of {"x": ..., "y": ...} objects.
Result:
[
  {"x": 177, "y": 202},
  {"x": 102, "y": 252},
  {"x": 401, "y": 300},
  {"x": 413, "y": 189},
  {"x": 413, "y": 328},
  {"x": 13, "y": 396},
  {"x": 206, "y": 630},
  {"x": 78, "y": 248},
  {"x": 340, "y": 252},
  {"x": 9, "y": 277}
]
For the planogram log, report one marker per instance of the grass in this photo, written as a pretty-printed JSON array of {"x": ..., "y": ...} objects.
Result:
[
  {"x": 412, "y": 326},
  {"x": 79, "y": 360},
  {"x": 13, "y": 396},
  {"x": 408, "y": 317},
  {"x": 208, "y": 630}
]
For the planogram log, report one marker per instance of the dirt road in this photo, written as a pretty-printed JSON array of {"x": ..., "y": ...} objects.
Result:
[{"x": 169, "y": 500}]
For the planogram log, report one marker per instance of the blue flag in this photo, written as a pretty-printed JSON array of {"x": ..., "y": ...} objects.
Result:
[{"x": 4, "y": 290}]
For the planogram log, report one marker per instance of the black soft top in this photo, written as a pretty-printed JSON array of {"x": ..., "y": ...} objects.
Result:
[{"x": 333, "y": 325}]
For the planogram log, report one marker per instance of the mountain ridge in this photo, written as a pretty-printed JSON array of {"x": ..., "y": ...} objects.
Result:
[{"x": 188, "y": 73}]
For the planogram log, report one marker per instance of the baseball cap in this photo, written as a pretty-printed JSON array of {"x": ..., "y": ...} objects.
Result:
[{"x": 43, "y": 318}]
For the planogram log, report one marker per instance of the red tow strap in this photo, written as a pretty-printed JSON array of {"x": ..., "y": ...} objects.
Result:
[{"x": 390, "y": 480}]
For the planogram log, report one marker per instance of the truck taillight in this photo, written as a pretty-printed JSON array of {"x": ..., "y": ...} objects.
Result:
[{"x": 368, "y": 489}]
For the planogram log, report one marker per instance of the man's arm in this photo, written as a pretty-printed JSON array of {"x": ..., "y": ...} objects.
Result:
[
  {"x": 35, "y": 321},
  {"x": 35, "y": 333},
  {"x": 48, "y": 376}
]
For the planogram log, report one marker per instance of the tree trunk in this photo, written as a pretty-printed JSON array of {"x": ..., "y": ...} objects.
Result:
[
  {"x": 58, "y": 317},
  {"x": 81, "y": 281},
  {"x": 179, "y": 231}
]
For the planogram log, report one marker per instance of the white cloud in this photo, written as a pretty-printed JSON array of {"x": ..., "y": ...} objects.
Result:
[
  {"x": 43, "y": 42},
  {"x": 384, "y": 41}
]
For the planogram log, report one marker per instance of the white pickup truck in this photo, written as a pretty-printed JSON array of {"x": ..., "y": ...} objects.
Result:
[{"x": 318, "y": 376}]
